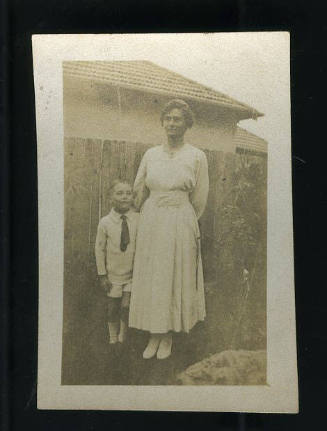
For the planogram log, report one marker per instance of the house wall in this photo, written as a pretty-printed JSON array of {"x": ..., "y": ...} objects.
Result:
[{"x": 92, "y": 110}]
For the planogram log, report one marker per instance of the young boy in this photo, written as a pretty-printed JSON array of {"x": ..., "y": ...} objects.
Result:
[{"x": 114, "y": 251}]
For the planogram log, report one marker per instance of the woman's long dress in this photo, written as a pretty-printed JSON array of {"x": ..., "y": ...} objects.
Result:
[{"x": 168, "y": 290}]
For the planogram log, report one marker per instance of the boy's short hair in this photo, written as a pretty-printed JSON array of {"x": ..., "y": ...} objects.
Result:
[{"x": 116, "y": 182}]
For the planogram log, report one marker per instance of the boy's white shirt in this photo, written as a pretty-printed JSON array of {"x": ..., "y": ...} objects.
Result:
[{"x": 110, "y": 260}]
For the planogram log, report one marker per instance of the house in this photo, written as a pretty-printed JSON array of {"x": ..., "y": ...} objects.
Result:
[
  {"x": 248, "y": 143},
  {"x": 122, "y": 100}
]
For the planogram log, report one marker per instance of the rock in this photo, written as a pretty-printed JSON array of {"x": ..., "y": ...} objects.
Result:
[{"x": 231, "y": 367}]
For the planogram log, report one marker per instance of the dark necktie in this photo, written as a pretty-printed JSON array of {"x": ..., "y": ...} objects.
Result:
[{"x": 124, "y": 238}]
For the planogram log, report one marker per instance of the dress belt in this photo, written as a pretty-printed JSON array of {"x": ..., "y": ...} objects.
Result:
[{"x": 171, "y": 198}]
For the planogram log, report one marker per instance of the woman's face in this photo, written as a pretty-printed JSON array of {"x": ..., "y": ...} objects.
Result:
[{"x": 174, "y": 123}]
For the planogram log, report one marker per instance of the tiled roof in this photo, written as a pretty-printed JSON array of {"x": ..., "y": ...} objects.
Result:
[
  {"x": 245, "y": 140},
  {"x": 147, "y": 76}
]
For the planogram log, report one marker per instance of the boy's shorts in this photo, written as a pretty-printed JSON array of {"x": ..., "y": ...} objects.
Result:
[{"x": 117, "y": 290}]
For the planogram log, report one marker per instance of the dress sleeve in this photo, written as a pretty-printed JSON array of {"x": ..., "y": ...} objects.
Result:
[
  {"x": 100, "y": 249},
  {"x": 141, "y": 192},
  {"x": 199, "y": 195}
]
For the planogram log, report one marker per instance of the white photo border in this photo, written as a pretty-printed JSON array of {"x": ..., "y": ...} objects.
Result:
[{"x": 280, "y": 395}]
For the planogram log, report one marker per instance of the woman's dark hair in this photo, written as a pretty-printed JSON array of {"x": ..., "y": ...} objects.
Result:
[{"x": 183, "y": 106}]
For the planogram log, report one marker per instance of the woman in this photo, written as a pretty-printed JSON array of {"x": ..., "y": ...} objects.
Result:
[{"x": 168, "y": 291}]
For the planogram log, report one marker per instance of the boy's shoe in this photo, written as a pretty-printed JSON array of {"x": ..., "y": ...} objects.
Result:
[
  {"x": 165, "y": 346},
  {"x": 152, "y": 347}
]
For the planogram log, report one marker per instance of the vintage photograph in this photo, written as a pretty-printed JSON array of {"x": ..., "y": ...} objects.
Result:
[
  {"x": 165, "y": 222},
  {"x": 165, "y": 230}
]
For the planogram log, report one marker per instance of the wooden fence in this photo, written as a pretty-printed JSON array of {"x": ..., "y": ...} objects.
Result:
[
  {"x": 233, "y": 231},
  {"x": 233, "y": 227}
]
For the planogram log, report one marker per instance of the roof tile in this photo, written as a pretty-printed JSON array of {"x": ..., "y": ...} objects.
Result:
[
  {"x": 248, "y": 141},
  {"x": 147, "y": 76}
]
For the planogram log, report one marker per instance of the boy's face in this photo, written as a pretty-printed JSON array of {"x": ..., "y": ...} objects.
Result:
[{"x": 122, "y": 197}]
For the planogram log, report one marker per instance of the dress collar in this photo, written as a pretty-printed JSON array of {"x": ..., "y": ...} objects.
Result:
[
  {"x": 116, "y": 216},
  {"x": 175, "y": 152}
]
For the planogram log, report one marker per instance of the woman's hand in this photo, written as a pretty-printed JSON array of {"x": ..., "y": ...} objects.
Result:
[{"x": 105, "y": 283}]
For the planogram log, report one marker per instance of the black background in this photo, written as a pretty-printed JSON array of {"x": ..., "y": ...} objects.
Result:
[{"x": 308, "y": 26}]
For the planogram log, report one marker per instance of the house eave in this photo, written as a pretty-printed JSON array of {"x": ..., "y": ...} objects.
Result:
[{"x": 242, "y": 112}]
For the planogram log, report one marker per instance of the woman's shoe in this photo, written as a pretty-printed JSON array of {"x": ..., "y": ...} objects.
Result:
[
  {"x": 165, "y": 346},
  {"x": 152, "y": 347}
]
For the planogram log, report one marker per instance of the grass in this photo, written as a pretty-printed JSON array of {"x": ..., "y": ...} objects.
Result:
[{"x": 88, "y": 359}]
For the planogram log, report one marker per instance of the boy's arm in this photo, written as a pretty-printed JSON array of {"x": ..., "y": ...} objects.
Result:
[
  {"x": 100, "y": 250},
  {"x": 104, "y": 283},
  {"x": 100, "y": 256}
]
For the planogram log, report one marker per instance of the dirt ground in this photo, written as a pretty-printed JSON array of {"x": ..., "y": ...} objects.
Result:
[{"x": 88, "y": 359}]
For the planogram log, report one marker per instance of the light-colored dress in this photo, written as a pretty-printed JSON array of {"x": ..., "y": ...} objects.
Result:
[{"x": 168, "y": 289}]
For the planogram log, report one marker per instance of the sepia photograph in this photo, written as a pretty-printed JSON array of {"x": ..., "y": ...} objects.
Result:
[
  {"x": 165, "y": 230},
  {"x": 170, "y": 179}
]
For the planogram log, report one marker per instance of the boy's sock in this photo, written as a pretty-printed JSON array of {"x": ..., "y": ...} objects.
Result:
[
  {"x": 122, "y": 331},
  {"x": 124, "y": 314},
  {"x": 113, "y": 332}
]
